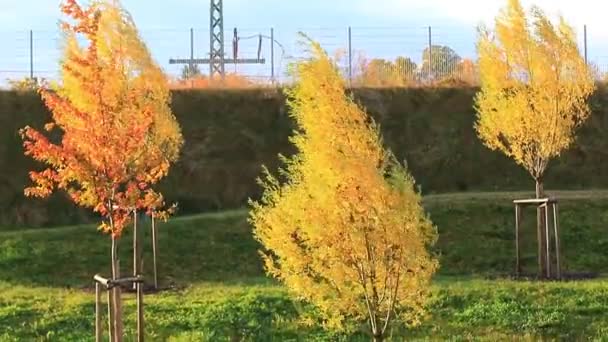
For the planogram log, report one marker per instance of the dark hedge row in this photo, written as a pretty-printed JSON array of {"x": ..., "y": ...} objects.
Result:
[{"x": 229, "y": 134}]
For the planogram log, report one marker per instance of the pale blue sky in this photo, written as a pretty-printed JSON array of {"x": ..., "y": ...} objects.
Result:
[{"x": 381, "y": 28}]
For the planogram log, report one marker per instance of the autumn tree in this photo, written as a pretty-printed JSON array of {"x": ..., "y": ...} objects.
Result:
[
  {"x": 379, "y": 72},
  {"x": 117, "y": 135},
  {"x": 405, "y": 67},
  {"x": 464, "y": 75},
  {"x": 24, "y": 84},
  {"x": 343, "y": 226},
  {"x": 190, "y": 71},
  {"x": 466, "y": 71},
  {"x": 439, "y": 61},
  {"x": 375, "y": 72},
  {"x": 534, "y": 90},
  {"x": 230, "y": 81}
]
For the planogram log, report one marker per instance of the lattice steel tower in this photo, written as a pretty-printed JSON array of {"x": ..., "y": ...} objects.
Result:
[
  {"x": 216, "y": 59},
  {"x": 216, "y": 39}
]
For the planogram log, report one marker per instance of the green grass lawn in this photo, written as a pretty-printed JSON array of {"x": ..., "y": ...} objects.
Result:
[
  {"x": 461, "y": 309},
  {"x": 219, "y": 288}
]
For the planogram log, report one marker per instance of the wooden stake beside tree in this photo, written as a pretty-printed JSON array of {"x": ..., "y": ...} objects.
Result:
[
  {"x": 118, "y": 136},
  {"x": 346, "y": 230},
  {"x": 534, "y": 91}
]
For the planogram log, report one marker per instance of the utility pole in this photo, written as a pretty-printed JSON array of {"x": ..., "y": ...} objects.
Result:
[
  {"x": 217, "y": 60},
  {"x": 350, "y": 57},
  {"x": 272, "y": 55},
  {"x": 430, "y": 66},
  {"x": 31, "y": 55},
  {"x": 585, "y": 42},
  {"x": 191, "y": 66}
]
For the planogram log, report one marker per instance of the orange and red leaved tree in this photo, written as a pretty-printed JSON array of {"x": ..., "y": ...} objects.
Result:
[{"x": 115, "y": 133}]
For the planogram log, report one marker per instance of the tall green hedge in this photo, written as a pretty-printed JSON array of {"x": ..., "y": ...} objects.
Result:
[{"x": 229, "y": 134}]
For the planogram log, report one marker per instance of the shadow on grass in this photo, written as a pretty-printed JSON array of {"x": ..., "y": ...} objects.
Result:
[
  {"x": 203, "y": 248},
  {"x": 475, "y": 238}
]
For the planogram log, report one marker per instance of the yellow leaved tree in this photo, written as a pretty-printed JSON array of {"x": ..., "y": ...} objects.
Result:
[
  {"x": 343, "y": 227},
  {"x": 534, "y": 89}
]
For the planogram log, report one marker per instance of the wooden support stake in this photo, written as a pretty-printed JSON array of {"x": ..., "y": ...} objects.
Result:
[
  {"x": 140, "y": 312},
  {"x": 539, "y": 238},
  {"x": 556, "y": 228},
  {"x": 97, "y": 312},
  {"x": 544, "y": 235},
  {"x": 111, "y": 314},
  {"x": 118, "y": 303},
  {"x": 101, "y": 280},
  {"x": 154, "y": 252},
  {"x": 517, "y": 253},
  {"x": 135, "y": 247},
  {"x": 547, "y": 241}
]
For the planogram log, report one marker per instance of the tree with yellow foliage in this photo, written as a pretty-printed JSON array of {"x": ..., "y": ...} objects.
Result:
[
  {"x": 24, "y": 84},
  {"x": 534, "y": 90},
  {"x": 384, "y": 73},
  {"x": 344, "y": 228}
]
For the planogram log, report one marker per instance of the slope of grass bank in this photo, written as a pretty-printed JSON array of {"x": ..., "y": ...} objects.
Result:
[
  {"x": 221, "y": 289},
  {"x": 475, "y": 238}
]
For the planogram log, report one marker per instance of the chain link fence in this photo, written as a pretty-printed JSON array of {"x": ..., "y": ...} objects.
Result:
[{"x": 370, "y": 56}]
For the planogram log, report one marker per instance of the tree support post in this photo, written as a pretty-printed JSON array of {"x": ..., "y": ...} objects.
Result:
[
  {"x": 111, "y": 285},
  {"x": 140, "y": 312},
  {"x": 97, "y": 312},
  {"x": 154, "y": 250},
  {"x": 135, "y": 247},
  {"x": 558, "y": 266},
  {"x": 543, "y": 206},
  {"x": 517, "y": 241}
]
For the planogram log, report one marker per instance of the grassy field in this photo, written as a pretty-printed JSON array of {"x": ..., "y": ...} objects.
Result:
[
  {"x": 218, "y": 289},
  {"x": 461, "y": 309}
]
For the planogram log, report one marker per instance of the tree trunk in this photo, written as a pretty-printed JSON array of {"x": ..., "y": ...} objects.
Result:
[
  {"x": 377, "y": 333},
  {"x": 540, "y": 232}
]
